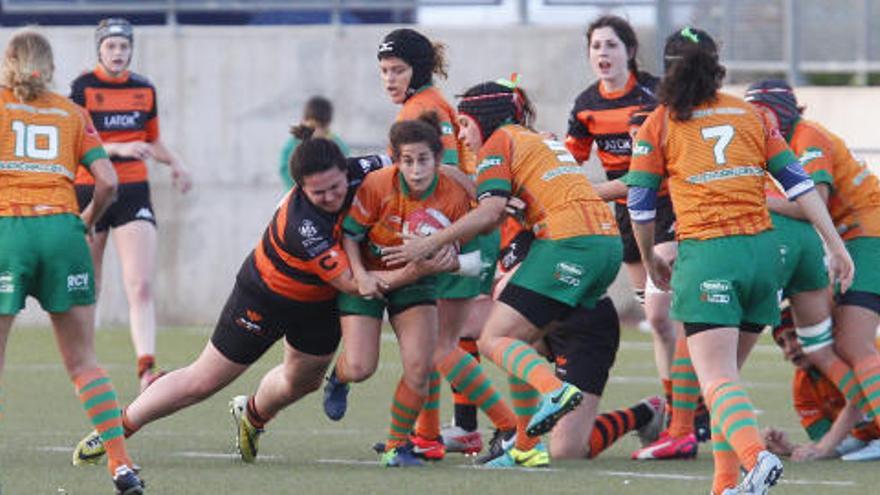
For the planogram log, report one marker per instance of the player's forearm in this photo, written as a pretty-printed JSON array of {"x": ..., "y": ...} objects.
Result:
[
  {"x": 352, "y": 249},
  {"x": 611, "y": 190},
  {"x": 840, "y": 428},
  {"x": 644, "y": 236},
  {"x": 815, "y": 210},
  {"x": 785, "y": 207},
  {"x": 164, "y": 154},
  {"x": 106, "y": 183}
]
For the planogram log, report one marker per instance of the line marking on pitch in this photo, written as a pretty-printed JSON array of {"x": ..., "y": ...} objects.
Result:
[
  {"x": 688, "y": 477},
  {"x": 219, "y": 455}
]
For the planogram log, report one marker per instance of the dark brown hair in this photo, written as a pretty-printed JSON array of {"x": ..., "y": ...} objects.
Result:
[
  {"x": 425, "y": 129},
  {"x": 313, "y": 156},
  {"x": 693, "y": 74}
]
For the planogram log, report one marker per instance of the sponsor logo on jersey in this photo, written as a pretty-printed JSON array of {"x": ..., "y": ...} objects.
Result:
[
  {"x": 726, "y": 173},
  {"x": 7, "y": 283},
  {"x": 565, "y": 170},
  {"x": 446, "y": 128},
  {"x": 642, "y": 148},
  {"x": 615, "y": 145},
  {"x": 810, "y": 154},
  {"x": 307, "y": 229},
  {"x": 122, "y": 121},
  {"x": 77, "y": 282},
  {"x": 489, "y": 162}
]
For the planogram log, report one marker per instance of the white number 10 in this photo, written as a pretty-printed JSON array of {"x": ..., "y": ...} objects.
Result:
[
  {"x": 26, "y": 136},
  {"x": 724, "y": 134}
]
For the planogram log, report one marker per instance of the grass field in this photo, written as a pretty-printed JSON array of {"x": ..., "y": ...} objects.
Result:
[{"x": 303, "y": 452}]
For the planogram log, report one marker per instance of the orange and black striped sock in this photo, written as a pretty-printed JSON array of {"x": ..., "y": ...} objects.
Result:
[
  {"x": 255, "y": 417},
  {"x": 685, "y": 392},
  {"x": 428, "y": 422},
  {"x": 521, "y": 361},
  {"x": 731, "y": 408},
  {"x": 405, "y": 407},
  {"x": 465, "y": 410},
  {"x": 145, "y": 363},
  {"x": 98, "y": 398},
  {"x": 466, "y": 374},
  {"x": 726, "y": 463},
  {"x": 867, "y": 371},
  {"x": 610, "y": 426},
  {"x": 525, "y": 400}
]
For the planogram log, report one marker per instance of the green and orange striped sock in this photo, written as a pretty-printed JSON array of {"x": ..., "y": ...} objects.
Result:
[
  {"x": 867, "y": 371},
  {"x": 465, "y": 410},
  {"x": 521, "y": 361},
  {"x": 525, "y": 400},
  {"x": 611, "y": 426},
  {"x": 845, "y": 380},
  {"x": 465, "y": 374},
  {"x": 685, "y": 392},
  {"x": 428, "y": 422},
  {"x": 730, "y": 407},
  {"x": 405, "y": 407},
  {"x": 98, "y": 398},
  {"x": 726, "y": 463}
]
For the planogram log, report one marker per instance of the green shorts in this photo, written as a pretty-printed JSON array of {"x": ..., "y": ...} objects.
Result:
[
  {"x": 575, "y": 271},
  {"x": 865, "y": 252},
  {"x": 421, "y": 292},
  {"x": 490, "y": 247},
  {"x": 45, "y": 257},
  {"x": 802, "y": 253},
  {"x": 453, "y": 286},
  {"x": 727, "y": 280}
]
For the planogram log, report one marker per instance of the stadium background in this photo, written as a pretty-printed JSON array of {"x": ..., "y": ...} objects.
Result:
[{"x": 233, "y": 75}]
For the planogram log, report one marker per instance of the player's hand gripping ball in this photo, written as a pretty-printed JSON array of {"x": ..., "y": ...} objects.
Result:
[{"x": 425, "y": 222}]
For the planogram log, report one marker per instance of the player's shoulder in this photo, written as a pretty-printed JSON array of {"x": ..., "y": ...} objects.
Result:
[
  {"x": 140, "y": 80},
  {"x": 588, "y": 99}
]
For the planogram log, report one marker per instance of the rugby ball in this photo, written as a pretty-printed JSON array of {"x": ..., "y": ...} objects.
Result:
[{"x": 424, "y": 222}]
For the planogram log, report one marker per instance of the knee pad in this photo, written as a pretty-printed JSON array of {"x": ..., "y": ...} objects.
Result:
[{"x": 815, "y": 337}]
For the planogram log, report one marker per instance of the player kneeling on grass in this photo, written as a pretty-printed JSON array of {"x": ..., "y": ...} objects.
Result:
[
  {"x": 835, "y": 428},
  {"x": 287, "y": 287},
  {"x": 414, "y": 198}
]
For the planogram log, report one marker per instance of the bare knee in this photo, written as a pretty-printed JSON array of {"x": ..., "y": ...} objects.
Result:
[
  {"x": 140, "y": 291},
  {"x": 358, "y": 371},
  {"x": 563, "y": 448}
]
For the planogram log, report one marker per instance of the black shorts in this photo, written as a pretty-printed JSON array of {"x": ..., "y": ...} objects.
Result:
[
  {"x": 253, "y": 320},
  {"x": 584, "y": 346},
  {"x": 664, "y": 228},
  {"x": 132, "y": 203},
  {"x": 539, "y": 309},
  {"x": 695, "y": 328}
]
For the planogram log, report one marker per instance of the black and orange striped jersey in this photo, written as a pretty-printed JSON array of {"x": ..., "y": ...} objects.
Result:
[
  {"x": 123, "y": 109},
  {"x": 300, "y": 250},
  {"x": 602, "y": 117}
]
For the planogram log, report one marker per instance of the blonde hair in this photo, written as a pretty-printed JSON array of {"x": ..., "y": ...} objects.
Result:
[{"x": 27, "y": 65}]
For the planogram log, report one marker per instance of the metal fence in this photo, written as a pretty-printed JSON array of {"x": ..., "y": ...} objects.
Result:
[
  {"x": 834, "y": 41},
  {"x": 815, "y": 41}
]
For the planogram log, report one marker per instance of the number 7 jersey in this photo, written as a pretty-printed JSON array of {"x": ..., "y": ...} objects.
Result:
[
  {"x": 43, "y": 142},
  {"x": 716, "y": 162}
]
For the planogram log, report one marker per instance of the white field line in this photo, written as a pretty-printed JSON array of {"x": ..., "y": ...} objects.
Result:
[
  {"x": 357, "y": 462},
  {"x": 687, "y": 477}
]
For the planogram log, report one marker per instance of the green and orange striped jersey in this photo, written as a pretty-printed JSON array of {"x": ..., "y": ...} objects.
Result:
[
  {"x": 383, "y": 203},
  {"x": 430, "y": 99},
  {"x": 715, "y": 163},
  {"x": 43, "y": 143},
  {"x": 854, "y": 202},
  {"x": 560, "y": 202}
]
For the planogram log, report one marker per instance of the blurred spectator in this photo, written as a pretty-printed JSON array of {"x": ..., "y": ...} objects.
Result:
[{"x": 317, "y": 115}]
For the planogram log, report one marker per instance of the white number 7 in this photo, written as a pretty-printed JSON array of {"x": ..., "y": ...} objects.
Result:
[{"x": 724, "y": 134}]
